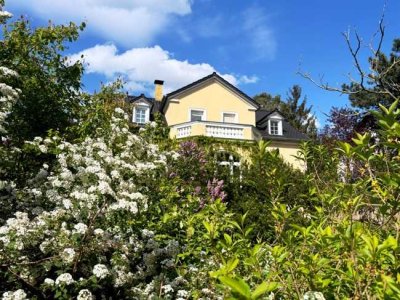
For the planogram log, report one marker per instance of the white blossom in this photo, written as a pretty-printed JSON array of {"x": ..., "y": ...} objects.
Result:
[
  {"x": 98, "y": 231},
  {"x": 119, "y": 110},
  {"x": 182, "y": 293},
  {"x": 17, "y": 295},
  {"x": 65, "y": 278},
  {"x": 167, "y": 288},
  {"x": 80, "y": 228},
  {"x": 311, "y": 295},
  {"x": 49, "y": 281},
  {"x": 68, "y": 255},
  {"x": 100, "y": 271},
  {"x": 84, "y": 295}
]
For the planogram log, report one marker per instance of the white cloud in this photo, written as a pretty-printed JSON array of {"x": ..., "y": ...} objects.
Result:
[
  {"x": 141, "y": 66},
  {"x": 248, "y": 79},
  {"x": 127, "y": 22},
  {"x": 261, "y": 36}
]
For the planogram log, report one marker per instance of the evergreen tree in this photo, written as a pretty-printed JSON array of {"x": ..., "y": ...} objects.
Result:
[
  {"x": 297, "y": 113},
  {"x": 267, "y": 101}
]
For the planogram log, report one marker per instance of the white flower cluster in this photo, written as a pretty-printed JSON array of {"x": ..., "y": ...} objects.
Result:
[
  {"x": 84, "y": 294},
  {"x": 64, "y": 279},
  {"x": 17, "y": 295},
  {"x": 68, "y": 255},
  {"x": 100, "y": 271},
  {"x": 80, "y": 228},
  {"x": 8, "y": 95}
]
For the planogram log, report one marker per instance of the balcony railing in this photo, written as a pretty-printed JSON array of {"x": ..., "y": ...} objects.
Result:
[
  {"x": 213, "y": 129},
  {"x": 224, "y": 131},
  {"x": 184, "y": 131}
]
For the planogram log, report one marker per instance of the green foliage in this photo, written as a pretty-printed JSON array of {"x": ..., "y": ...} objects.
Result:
[
  {"x": 348, "y": 248},
  {"x": 298, "y": 114},
  {"x": 49, "y": 84},
  {"x": 96, "y": 111},
  {"x": 267, "y": 101},
  {"x": 98, "y": 207},
  {"x": 265, "y": 182}
]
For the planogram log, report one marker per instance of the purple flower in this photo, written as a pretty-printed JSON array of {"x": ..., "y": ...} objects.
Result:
[{"x": 215, "y": 189}]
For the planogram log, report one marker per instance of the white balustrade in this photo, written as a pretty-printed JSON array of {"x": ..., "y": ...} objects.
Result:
[
  {"x": 184, "y": 131},
  {"x": 224, "y": 131}
]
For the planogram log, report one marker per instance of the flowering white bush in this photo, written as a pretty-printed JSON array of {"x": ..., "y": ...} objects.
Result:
[
  {"x": 89, "y": 236},
  {"x": 8, "y": 95},
  {"x": 17, "y": 295}
]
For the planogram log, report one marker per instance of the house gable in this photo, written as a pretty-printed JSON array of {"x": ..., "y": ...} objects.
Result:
[{"x": 217, "y": 98}]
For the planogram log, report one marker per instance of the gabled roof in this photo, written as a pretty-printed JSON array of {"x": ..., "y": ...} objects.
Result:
[
  {"x": 262, "y": 114},
  {"x": 133, "y": 99},
  {"x": 154, "y": 105},
  {"x": 289, "y": 133},
  {"x": 213, "y": 76}
]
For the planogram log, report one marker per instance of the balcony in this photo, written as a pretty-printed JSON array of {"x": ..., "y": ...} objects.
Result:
[{"x": 213, "y": 129}]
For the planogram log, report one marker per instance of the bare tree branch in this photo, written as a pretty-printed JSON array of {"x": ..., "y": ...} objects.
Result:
[{"x": 375, "y": 74}]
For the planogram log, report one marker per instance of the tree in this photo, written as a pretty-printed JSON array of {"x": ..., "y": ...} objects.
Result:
[
  {"x": 342, "y": 122},
  {"x": 384, "y": 76},
  {"x": 299, "y": 115},
  {"x": 49, "y": 84},
  {"x": 267, "y": 101}
]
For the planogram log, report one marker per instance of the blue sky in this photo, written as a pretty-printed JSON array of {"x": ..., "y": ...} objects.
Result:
[{"x": 257, "y": 45}]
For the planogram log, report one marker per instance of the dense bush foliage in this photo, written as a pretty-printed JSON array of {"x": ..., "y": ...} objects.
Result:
[
  {"x": 103, "y": 210},
  {"x": 113, "y": 215}
]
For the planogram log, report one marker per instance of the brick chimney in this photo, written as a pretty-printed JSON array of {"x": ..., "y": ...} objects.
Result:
[{"x": 158, "y": 90}]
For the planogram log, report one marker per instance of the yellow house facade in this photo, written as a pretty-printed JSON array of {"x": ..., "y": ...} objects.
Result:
[{"x": 215, "y": 108}]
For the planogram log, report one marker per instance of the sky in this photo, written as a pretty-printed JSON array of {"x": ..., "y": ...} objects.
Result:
[{"x": 257, "y": 45}]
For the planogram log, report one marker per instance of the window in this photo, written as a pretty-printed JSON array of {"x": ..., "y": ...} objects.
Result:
[
  {"x": 141, "y": 114},
  {"x": 229, "y": 117},
  {"x": 196, "y": 115},
  {"x": 274, "y": 127},
  {"x": 230, "y": 161}
]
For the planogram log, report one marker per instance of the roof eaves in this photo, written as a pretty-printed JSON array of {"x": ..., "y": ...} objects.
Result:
[{"x": 201, "y": 80}]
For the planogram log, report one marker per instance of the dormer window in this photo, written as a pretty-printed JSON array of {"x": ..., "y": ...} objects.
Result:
[
  {"x": 275, "y": 127},
  {"x": 141, "y": 114}
]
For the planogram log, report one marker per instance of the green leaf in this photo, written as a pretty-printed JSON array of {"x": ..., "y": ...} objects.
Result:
[
  {"x": 237, "y": 285},
  {"x": 232, "y": 264},
  {"x": 263, "y": 288},
  {"x": 228, "y": 239}
]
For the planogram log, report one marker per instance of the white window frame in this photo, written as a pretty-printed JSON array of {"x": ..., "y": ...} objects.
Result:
[
  {"x": 279, "y": 121},
  {"x": 204, "y": 118},
  {"x": 230, "y": 112},
  {"x": 231, "y": 163},
  {"x": 147, "y": 112}
]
